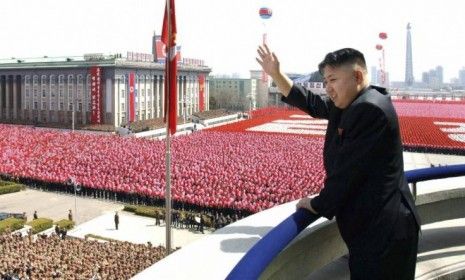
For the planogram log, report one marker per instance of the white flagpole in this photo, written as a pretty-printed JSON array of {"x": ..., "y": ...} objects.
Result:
[{"x": 168, "y": 140}]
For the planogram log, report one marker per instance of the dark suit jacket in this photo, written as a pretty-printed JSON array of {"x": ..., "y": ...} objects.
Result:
[{"x": 365, "y": 186}]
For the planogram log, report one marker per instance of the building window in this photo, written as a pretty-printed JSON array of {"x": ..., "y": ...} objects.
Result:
[
  {"x": 80, "y": 106},
  {"x": 52, "y": 106},
  {"x": 60, "y": 106},
  {"x": 43, "y": 92},
  {"x": 123, "y": 93},
  {"x": 123, "y": 107},
  {"x": 70, "y": 90},
  {"x": 43, "y": 80},
  {"x": 35, "y": 105},
  {"x": 70, "y": 106},
  {"x": 44, "y": 105}
]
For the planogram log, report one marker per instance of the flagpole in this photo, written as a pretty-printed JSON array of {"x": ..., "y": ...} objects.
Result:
[{"x": 168, "y": 140}]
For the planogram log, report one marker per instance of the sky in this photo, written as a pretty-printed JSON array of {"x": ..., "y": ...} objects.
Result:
[{"x": 226, "y": 33}]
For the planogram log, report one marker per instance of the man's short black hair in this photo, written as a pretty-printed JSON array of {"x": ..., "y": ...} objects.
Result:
[{"x": 342, "y": 57}]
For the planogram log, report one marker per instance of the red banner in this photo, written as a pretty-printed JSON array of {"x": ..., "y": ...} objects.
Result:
[
  {"x": 201, "y": 93},
  {"x": 96, "y": 114},
  {"x": 132, "y": 99},
  {"x": 160, "y": 49},
  {"x": 170, "y": 75}
]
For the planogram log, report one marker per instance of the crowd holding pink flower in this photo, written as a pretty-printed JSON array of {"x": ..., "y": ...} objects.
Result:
[
  {"x": 226, "y": 167},
  {"x": 242, "y": 171},
  {"x": 438, "y": 109}
]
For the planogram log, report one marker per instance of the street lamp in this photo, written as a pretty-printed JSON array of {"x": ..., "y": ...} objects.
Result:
[{"x": 77, "y": 188}]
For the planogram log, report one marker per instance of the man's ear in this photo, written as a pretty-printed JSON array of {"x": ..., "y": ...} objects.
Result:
[{"x": 359, "y": 76}]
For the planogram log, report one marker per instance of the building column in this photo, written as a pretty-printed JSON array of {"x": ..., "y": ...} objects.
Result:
[
  {"x": 51, "y": 110},
  {"x": 84, "y": 99},
  {"x": 196, "y": 94},
  {"x": 182, "y": 94},
  {"x": 7, "y": 97},
  {"x": 178, "y": 96},
  {"x": 192, "y": 94},
  {"x": 15, "y": 99},
  {"x": 2, "y": 93},
  {"x": 207, "y": 94},
  {"x": 156, "y": 91},
  {"x": 30, "y": 100},
  {"x": 116, "y": 103},
  {"x": 188, "y": 95},
  {"x": 162, "y": 96},
  {"x": 152, "y": 97},
  {"x": 22, "y": 94},
  {"x": 145, "y": 98}
]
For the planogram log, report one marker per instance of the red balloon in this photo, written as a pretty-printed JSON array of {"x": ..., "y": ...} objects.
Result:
[
  {"x": 379, "y": 47},
  {"x": 383, "y": 35}
]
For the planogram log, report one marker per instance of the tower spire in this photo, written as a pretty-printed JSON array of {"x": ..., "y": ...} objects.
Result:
[{"x": 408, "y": 61}]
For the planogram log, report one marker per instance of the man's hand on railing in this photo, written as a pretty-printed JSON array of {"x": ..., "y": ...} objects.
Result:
[{"x": 305, "y": 203}]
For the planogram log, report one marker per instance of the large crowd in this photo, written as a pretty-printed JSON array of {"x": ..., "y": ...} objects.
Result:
[
  {"x": 223, "y": 168},
  {"x": 242, "y": 171},
  {"x": 71, "y": 258},
  {"x": 438, "y": 109}
]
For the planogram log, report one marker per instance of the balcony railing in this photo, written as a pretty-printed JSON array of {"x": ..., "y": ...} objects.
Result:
[{"x": 256, "y": 260}]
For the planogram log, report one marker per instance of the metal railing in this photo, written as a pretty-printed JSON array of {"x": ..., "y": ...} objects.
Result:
[{"x": 263, "y": 252}]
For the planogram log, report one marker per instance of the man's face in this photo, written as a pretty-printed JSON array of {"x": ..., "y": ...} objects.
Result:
[{"x": 342, "y": 85}]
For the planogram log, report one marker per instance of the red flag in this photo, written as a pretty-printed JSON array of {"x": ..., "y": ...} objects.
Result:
[
  {"x": 132, "y": 105},
  {"x": 170, "y": 76},
  {"x": 201, "y": 92}
]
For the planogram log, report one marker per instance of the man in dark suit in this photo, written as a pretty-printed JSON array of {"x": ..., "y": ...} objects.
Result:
[
  {"x": 116, "y": 220},
  {"x": 365, "y": 186}
]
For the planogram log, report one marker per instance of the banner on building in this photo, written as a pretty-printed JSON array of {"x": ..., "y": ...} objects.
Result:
[
  {"x": 201, "y": 93},
  {"x": 160, "y": 48},
  {"x": 131, "y": 97},
  {"x": 96, "y": 113}
]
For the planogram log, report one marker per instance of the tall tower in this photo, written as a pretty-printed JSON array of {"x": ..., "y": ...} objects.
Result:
[{"x": 408, "y": 61}]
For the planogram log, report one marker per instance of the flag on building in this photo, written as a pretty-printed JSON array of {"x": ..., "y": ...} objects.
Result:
[
  {"x": 132, "y": 99},
  {"x": 170, "y": 72}
]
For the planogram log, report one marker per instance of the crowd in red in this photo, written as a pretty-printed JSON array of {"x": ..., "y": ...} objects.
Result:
[
  {"x": 437, "y": 109},
  {"x": 418, "y": 123},
  {"x": 244, "y": 171},
  {"x": 226, "y": 167},
  {"x": 272, "y": 110}
]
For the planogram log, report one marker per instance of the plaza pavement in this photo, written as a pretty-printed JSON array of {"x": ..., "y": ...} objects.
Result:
[{"x": 94, "y": 216}]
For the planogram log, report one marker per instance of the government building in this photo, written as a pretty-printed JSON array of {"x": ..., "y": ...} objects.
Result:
[{"x": 96, "y": 89}]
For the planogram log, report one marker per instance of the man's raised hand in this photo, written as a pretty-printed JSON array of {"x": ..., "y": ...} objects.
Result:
[{"x": 268, "y": 60}]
